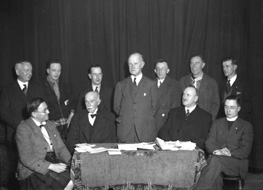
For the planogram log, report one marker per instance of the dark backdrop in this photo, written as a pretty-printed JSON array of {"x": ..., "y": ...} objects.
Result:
[{"x": 83, "y": 32}]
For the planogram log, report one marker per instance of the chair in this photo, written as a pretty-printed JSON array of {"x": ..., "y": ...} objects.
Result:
[{"x": 231, "y": 178}]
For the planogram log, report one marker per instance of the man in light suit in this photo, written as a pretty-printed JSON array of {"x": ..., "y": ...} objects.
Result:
[
  {"x": 229, "y": 144},
  {"x": 93, "y": 125},
  {"x": 168, "y": 92},
  {"x": 13, "y": 101},
  {"x": 96, "y": 84},
  {"x": 235, "y": 85},
  {"x": 206, "y": 85},
  {"x": 135, "y": 101},
  {"x": 187, "y": 123}
]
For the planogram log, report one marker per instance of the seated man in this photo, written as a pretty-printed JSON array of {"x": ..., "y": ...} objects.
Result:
[
  {"x": 93, "y": 125},
  {"x": 229, "y": 143},
  {"x": 188, "y": 123}
]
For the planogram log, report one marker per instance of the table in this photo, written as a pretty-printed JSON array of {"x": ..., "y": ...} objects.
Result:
[{"x": 141, "y": 169}]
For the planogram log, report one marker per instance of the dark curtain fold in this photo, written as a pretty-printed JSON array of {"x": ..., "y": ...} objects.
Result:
[{"x": 83, "y": 32}]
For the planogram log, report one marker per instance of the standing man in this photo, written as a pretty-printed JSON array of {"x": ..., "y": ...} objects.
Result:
[
  {"x": 93, "y": 125},
  {"x": 189, "y": 122},
  {"x": 168, "y": 92},
  {"x": 235, "y": 85},
  {"x": 135, "y": 104},
  {"x": 58, "y": 97},
  {"x": 206, "y": 85},
  {"x": 13, "y": 103},
  {"x": 106, "y": 93},
  {"x": 229, "y": 144}
]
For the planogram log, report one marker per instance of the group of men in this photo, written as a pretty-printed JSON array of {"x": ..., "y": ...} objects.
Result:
[{"x": 143, "y": 108}]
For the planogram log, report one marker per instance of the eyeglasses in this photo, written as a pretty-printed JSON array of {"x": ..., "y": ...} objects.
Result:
[{"x": 44, "y": 111}]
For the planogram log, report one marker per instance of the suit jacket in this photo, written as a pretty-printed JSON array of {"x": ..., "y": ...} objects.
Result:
[
  {"x": 61, "y": 108},
  {"x": 238, "y": 139},
  {"x": 81, "y": 131},
  {"x": 13, "y": 105},
  {"x": 208, "y": 93},
  {"x": 169, "y": 96},
  {"x": 135, "y": 110},
  {"x": 33, "y": 147},
  {"x": 241, "y": 89},
  {"x": 106, "y": 96},
  {"x": 193, "y": 128}
]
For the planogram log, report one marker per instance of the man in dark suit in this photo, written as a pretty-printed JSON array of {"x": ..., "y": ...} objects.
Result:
[
  {"x": 58, "y": 97},
  {"x": 206, "y": 85},
  {"x": 235, "y": 85},
  {"x": 229, "y": 144},
  {"x": 96, "y": 84},
  {"x": 13, "y": 103},
  {"x": 135, "y": 102},
  {"x": 93, "y": 125},
  {"x": 168, "y": 92},
  {"x": 187, "y": 123}
]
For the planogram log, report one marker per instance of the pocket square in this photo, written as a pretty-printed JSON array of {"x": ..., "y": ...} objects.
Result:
[
  {"x": 239, "y": 93},
  {"x": 144, "y": 94}
]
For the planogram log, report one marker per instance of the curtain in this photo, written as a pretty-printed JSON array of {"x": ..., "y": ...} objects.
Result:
[{"x": 84, "y": 32}]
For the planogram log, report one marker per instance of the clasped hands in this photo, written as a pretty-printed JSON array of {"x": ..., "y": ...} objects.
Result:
[
  {"x": 223, "y": 152},
  {"x": 59, "y": 167}
]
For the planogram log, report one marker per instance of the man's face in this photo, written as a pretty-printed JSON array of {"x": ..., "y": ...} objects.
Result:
[
  {"x": 96, "y": 75},
  {"x": 24, "y": 72},
  {"x": 161, "y": 70},
  {"x": 196, "y": 65},
  {"x": 41, "y": 114},
  {"x": 136, "y": 64},
  {"x": 189, "y": 98},
  {"x": 92, "y": 101},
  {"x": 229, "y": 69},
  {"x": 231, "y": 108},
  {"x": 54, "y": 71}
]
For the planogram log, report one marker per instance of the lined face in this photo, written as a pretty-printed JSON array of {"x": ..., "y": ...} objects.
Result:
[
  {"x": 229, "y": 68},
  {"x": 161, "y": 70},
  {"x": 92, "y": 101},
  {"x": 96, "y": 75},
  {"x": 54, "y": 71},
  {"x": 24, "y": 71},
  {"x": 136, "y": 64},
  {"x": 42, "y": 112},
  {"x": 231, "y": 108},
  {"x": 196, "y": 65},
  {"x": 190, "y": 97}
]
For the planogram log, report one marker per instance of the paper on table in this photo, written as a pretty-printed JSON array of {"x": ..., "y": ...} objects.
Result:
[
  {"x": 114, "y": 151},
  {"x": 146, "y": 146},
  {"x": 127, "y": 146}
]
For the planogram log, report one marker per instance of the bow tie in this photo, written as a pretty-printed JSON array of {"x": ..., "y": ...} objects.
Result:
[{"x": 93, "y": 115}]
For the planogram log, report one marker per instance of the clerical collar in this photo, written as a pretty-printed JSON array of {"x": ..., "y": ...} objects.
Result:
[
  {"x": 232, "y": 119},
  {"x": 190, "y": 109},
  {"x": 232, "y": 80},
  {"x": 198, "y": 78},
  {"x": 21, "y": 84},
  {"x": 138, "y": 78}
]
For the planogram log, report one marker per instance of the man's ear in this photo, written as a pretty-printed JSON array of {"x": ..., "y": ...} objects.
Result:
[
  {"x": 203, "y": 65},
  {"x": 155, "y": 71},
  {"x": 89, "y": 76},
  {"x": 167, "y": 71},
  {"x": 48, "y": 70}
]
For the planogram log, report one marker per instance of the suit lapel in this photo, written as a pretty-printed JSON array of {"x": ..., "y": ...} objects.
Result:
[
  {"x": 85, "y": 126},
  {"x": 20, "y": 94},
  {"x": 203, "y": 85}
]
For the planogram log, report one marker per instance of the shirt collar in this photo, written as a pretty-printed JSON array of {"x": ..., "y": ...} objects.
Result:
[
  {"x": 190, "y": 109},
  {"x": 199, "y": 77},
  {"x": 161, "y": 80},
  {"x": 95, "y": 112},
  {"x": 138, "y": 78},
  {"x": 233, "y": 79},
  {"x": 232, "y": 119},
  {"x": 38, "y": 123},
  {"x": 21, "y": 84},
  {"x": 94, "y": 87}
]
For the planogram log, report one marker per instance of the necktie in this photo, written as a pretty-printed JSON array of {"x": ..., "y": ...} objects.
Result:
[
  {"x": 24, "y": 89},
  {"x": 96, "y": 89},
  {"x": 187, "y": 112},
  {"x": 56, "y": 90},
  {"x": 46, "y": 136},
  {"x": 228, "y": 87},
  {"x": 193, "y": 81},
  {"x": 159, "y": 84},
  {"x": 134, "y": 81},
  {"x": 93, "y": 115}
]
